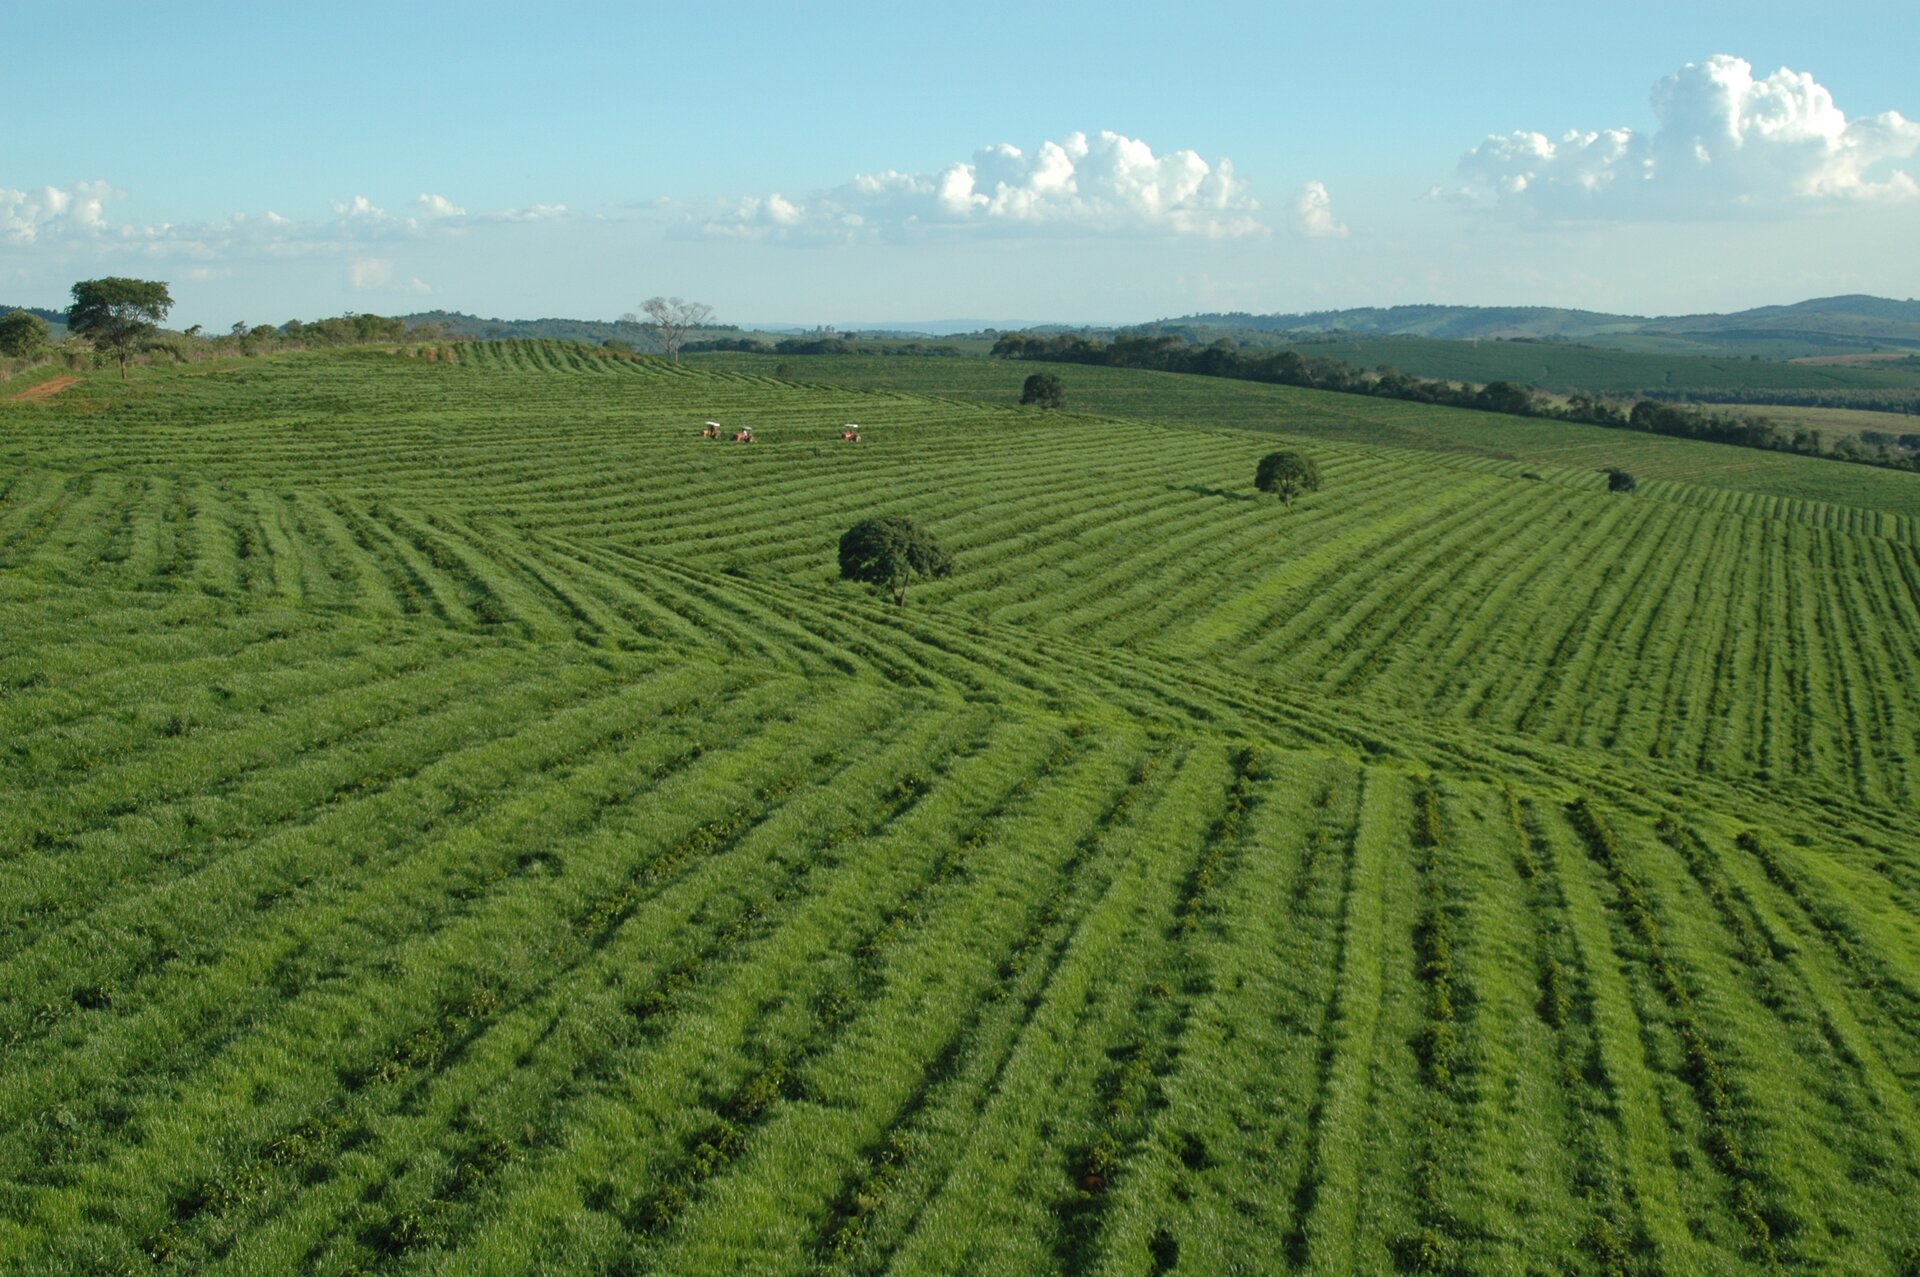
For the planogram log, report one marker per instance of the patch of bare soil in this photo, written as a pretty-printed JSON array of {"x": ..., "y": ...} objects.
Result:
[{"x": 48, "y": 388}]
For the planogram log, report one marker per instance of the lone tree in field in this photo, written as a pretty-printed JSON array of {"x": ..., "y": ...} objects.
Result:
[
  {"x": 1287, "y": 475},
  {"x": 1619, "y": 480},
  {"x": 1044, "y": 390},
  {"x": 118, "y": 315},
  {"x": 22, "y": 334},
  {"x": 888, "y": 552},
  {"x": 669, "y": 320}
]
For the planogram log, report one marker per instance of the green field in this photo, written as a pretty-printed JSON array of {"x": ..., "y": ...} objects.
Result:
[
  {"x": 1565, "y": 367},
  {"x": 458, "y": 822},
  {"x": 1705, "y": 472}
]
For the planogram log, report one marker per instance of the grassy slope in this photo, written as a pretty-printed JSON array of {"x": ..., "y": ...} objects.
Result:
[
  {"x": 1564, "y": 368},
  {"x": 466, "y": 826},
  {"x": 1176, "y": 399}
]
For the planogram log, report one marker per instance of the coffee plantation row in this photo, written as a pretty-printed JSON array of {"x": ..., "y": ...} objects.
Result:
[{"x": 459, "y": 822}]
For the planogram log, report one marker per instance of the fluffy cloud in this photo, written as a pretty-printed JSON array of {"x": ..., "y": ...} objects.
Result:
[
  {"x": 52, "y": 212},
  {"x": 1725, "y": 142},
  {"x": 1313, "y": 213},
  {"x": 437, "y": 206},
  {"x": 74, "y": 218},
  {"x": 1104, "y": 184}
]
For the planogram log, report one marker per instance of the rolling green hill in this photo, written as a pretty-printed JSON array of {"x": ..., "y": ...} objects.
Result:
[
  {"x": 1851, "y": 322},
  {"x": 461, "y": 822},
  {"x": 1706, "y": 471},
  {"x": 1563, "y": 368}
]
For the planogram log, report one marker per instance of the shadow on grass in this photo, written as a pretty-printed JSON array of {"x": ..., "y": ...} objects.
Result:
[{"x": 1210, "y": 492}]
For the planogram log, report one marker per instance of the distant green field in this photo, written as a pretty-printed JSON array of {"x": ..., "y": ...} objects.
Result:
[
  {"x": 1554, "y": 366},
  {"x": 1177, "y": 399},
  {"x": 458, "y": 822}
]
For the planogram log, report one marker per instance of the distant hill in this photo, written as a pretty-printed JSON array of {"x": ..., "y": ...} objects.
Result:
[
  {"x": 56, "y": 319},
  {"x": 1821, "y": 325},
  {"x": 1455, "y": 323},
  {"x": 592, "y": 331}
]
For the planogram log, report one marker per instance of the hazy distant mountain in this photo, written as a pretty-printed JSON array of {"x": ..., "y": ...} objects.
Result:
[
  {"x": 1822, "y": 323},
  {"x": 1450, "y": 322},
  {"x": 592, "y": 331}
]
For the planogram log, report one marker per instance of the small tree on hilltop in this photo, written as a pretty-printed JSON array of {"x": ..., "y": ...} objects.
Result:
[
  {"x": 670, "y": 319},
  {"x": 118, "y": 315},
  {"x": 887, "y": 552},
  {"x": 22, "y": 334},
  {"x": 1287, "y": 475},
  {"x": 1044, "y": 390},
  {"x": 1619, "y": 480}
]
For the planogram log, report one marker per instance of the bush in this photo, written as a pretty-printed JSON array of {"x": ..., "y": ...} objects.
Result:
[
  {"x": 1619, "y": 480},
  {"x": 23, "y": 335},
  {"x": 1044, "y": 390},
  {"x": 1287, "y": 475}
]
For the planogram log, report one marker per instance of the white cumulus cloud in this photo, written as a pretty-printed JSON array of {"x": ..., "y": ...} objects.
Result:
[
  {"x": 434, "y": 206},
  {"x": 1100, "y": 184},
  {"x": 1313, "y": 213},
  {"x": 1725, "y": 142},
  {"x": 52, "y": 212}
]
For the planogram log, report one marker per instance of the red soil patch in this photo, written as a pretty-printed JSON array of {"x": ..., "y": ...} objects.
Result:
[{"x": 48, "y": 388}]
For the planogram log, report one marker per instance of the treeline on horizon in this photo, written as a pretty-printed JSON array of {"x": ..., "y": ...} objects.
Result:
[{"x": 1168, "y": 353}]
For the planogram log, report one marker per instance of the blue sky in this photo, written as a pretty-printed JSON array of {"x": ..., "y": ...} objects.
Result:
[{"x": 863, "y": 163}]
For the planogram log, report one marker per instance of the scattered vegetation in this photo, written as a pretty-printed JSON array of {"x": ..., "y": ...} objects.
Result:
[{"x": 458, "y": 821}]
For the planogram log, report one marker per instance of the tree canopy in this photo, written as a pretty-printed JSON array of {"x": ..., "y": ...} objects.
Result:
[
  {"x": 1619, "y": 480},
  {"x": 118, "y": 315},
  {"x": 22, "y": 334},
  {"x": 1287, "y": 475},
  {"x": 888, "y": 552},
  {"x": 1045, "y": 390},
  {"x": 670, "y": 319}
]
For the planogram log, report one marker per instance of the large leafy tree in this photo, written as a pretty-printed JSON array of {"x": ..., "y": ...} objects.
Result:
[
  {"x": 888, "y": 552},
  {"x": 118, "y": 315},
  {"x": 1287, "y": 475}
]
